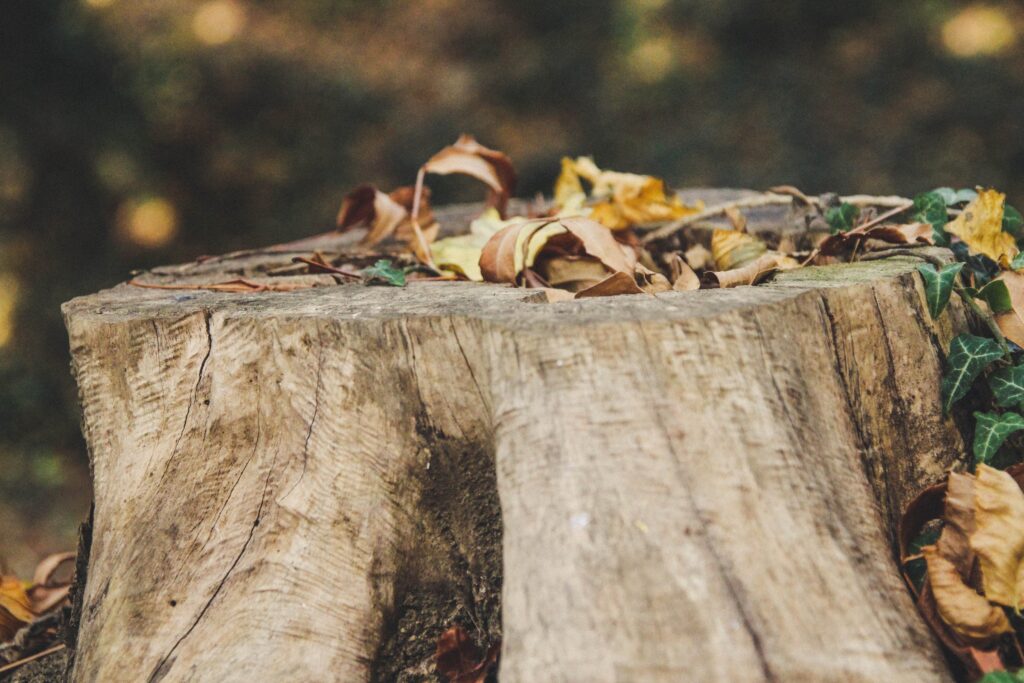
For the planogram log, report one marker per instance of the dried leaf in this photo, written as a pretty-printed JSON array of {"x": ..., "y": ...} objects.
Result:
[
  {"x": 699, "y": 257},
  {"x": 682, "y": 275},
  {"x": 460, "y": 659},
  {"x": 469, "y": 157},
  {"x": 999, "y": 536},
  {"x": 569, "y": 192},
  {"x": 51, "y": 582},
  {"x": 953, "y": 543},
  {"x": 462, "y": 253},
  {"x": 750, "y": 274},
  {"x": 386, "y": 215},
  {"x": 15, "y": 607},
  {"x": 613, "y": 285},
  {"x": 891, "y": 233},
  {"x": 623, "y": 199},
  {"x": 969, "y": 614},
  {"x": 981, "y": 227},
  {"x": 1012, "y": 323},
  {"x": 733, "y": 249}
]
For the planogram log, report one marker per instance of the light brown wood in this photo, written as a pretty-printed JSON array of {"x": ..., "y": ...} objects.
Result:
[{"x": 695, "y": 486}]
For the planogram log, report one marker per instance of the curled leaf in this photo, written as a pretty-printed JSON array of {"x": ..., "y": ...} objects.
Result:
[
  {"x": 469, "y": 157},
  {"x": 969, "y": 614},
  {"x": 15, "y": 607},
  {"x": 385, "y": 215},
  {"x": 623, "y": 199},
  {"x": 731, "y": 249},
  {"x": 614, "y": 285},
  {"x": 682, "y": 275},
  {"x": 981, "y": 227},
  {"x": 999, "y": 536},
  {"x": 461, "y": 253},
  {"x": 891, "y": 233},
  {"x": 750, "y": 274},
  {"x": 460, "y": 660},
  {"x": 953, "y": 543}
]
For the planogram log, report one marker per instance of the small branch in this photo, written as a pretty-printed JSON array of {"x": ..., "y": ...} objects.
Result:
[
  {"x": 415, "y": 216},
  {"x": 31, "y": 658},
  {"x": 769, "y": 199}
]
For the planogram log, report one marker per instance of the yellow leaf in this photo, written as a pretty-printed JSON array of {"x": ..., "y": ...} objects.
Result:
[
  {"x": 960, "y": 606},
  {"x": 623, "y": 199},
  {"x": 569, "y": 193},
  {"x": 15, "y": 607},
  {"x": 462, "y": 253},
  {"x": 981, "y": 227},
  {"x": 998, "y": 539},
  {"x": 732, "y": 249}
]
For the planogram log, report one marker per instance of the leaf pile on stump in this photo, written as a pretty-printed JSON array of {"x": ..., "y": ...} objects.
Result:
[{"x": 30, "y": 611}]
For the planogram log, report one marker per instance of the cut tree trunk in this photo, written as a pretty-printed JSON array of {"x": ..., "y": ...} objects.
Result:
[{"x": 696, "y": 486}]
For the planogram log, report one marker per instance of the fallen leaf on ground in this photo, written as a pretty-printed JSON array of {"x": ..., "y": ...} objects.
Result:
[
  {"x": 469, "y": 157},
  {"x": 981, "y": 227},
  {"x": 460, "y": 659},
  {"x": 751, "y": 273},
  {"x": 733, "y": 249},
  {"x": 623, "y": 199},
  {"x": 910, "y": 233},
  {"x": 15, "y": 607},
  {"x": 999, "y": 536},
  {"x": 1011, "y": 323},
  {"x": 385, "y": 215},
  {"x": 969, "y": 614}
]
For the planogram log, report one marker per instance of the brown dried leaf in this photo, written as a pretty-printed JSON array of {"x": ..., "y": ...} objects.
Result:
[
  {"x": 999, "y": 536},
  {"x": 460, "y": 659},
  {"x": 682, "y": 275},
  {"x": 1011, "y": 323},
  {"x": 909, "y": 233},
  {"x": 385, "y": 215},
  {"x": 469, "y": 157},
  {"x": 953, "y": 543},
  {"x": 699, "y": 257},
  {"x": 969, "y": 614},
  {"x": 750, "y": 274},
  {"x": 614, "y": 285}
]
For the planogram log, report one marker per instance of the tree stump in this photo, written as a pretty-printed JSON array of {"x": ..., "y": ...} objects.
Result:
[{"x": 697, "y": 486}]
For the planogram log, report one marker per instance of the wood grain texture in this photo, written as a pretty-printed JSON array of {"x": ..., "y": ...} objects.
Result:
[{"x": 693, "y": 486}]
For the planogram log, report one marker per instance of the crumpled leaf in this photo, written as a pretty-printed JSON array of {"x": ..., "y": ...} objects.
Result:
[
  {"x": 681, "y": 274},
  {"x": 732, "y": 249},
  {"x": 553, "y": 242},
  {"x": 991, "y": 430},
  {"x": 469, "y": 157},
  {"x": 385, "y": 215},
  {"x": 954, "y": 541},
  {"x": 969, "y": 614},
  {"x": 981, "y": 227},
  {"x": 999, "y": 537},
  {"x": 1007, "y": 385},
  {"x": 751, "y": 273},
  {"x": 461, "y": 253},
  {"x": 938, "y": 285},
  {"x": 15, "y": 607},
  {"x": 51, "y": 582},
  {"x": 613, "y": 285},
  {"x": 968, "y": 356},
  {"x": 460, "y": 660},
  {"x": 623, "y": 199},
  {"x": 891, "y": 233},
  {"x": 1011, "y": 323}
]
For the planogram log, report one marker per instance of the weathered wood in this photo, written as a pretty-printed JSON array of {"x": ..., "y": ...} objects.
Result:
[{"x": 695, "y": 486}]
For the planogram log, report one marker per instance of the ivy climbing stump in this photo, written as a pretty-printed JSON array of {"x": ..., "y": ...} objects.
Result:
[{"x": 312, "y": 485}]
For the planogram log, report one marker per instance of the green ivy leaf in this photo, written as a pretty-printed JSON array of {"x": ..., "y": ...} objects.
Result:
[
  {"x": 1003, "y": 677},
  {"x": 384, "y": 273},
  {"x": 1013, "y": 222},
  {"x": 1007, "y": 385},
  {"x": 991, "y": 430},
  {"x": 840, "y": 218},
  {"x": 930, "y": 207},
  {"x": 938, "y": 284},
  {"x": 997, "y": 296},
  {"x": 968, "y": 356}
]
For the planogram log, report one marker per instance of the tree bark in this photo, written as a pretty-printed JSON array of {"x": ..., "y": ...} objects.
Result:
[{"x": 696, "y": 486}]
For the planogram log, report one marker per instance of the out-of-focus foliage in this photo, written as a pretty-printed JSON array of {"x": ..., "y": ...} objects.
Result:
[{"x": 141, "y": 131}]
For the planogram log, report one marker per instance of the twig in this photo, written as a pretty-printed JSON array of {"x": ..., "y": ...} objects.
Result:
[
  {"x": 895, "y": 211},
  {"x": 768, "y": 199},
  {"x": 31, "y": 658},
  {"x": 326, "y": 267}
]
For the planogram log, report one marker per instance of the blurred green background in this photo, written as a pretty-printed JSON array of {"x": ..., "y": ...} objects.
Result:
[{"x": 135, "y": 132}]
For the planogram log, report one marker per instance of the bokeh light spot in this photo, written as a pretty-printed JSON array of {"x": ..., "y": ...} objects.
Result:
[
  {"x": 9, "y": 290},
  {"x": 218, "y": 21},
  {"x": 652, "y": 60},
  {"x": 979, "y": 31},
  {"x": 99, "y": 4},
  {"x": 149, "y": 224}
]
